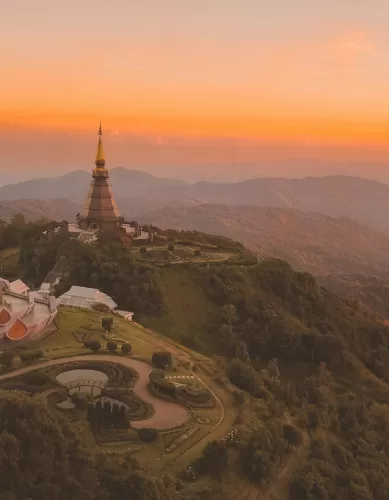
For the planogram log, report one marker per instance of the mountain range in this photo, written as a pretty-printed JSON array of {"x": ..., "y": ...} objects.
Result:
[
  {"x": 327, "y": 226},
  {"x": 364, "y": 200},
  {"x": 307, "y": 240}
]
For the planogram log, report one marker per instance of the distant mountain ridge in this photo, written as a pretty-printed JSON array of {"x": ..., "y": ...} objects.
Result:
[
  {"x": 364, "y": 200},
  {"x": 308, "y": 241},
  {"x": 39, "y": 209}
]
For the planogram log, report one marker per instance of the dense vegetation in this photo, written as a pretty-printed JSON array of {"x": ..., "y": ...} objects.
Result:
[
  {"x": 310, "y": 369},
  {"x": 42, "y": 459}
]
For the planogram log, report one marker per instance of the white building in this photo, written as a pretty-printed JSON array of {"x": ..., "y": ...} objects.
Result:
[
  {"x": 18, "y": 286},
  {"x": 125, "y": 314},
  {"x": 79, "y": 296},
  {"x": 23, "y": 314}
]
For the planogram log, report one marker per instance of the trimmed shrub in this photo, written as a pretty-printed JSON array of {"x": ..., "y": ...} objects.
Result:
[
  {"x": 93, "y": 345},
  {"x": 28, "y": 356},
  {"x": 162, "y": 359},
  {"x": 107, "y": 324},
  {"x": 35, "y": 378},
  {"x": 112, "y": 346},
  {"x": 148, "y": 435},
  {"x": 6, "y": 359},
  {"x": 80, "y": 400},
  {"x": 126, "y": 348}
]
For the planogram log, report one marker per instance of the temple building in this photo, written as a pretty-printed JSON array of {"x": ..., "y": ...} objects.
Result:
[
  {"x": 101, "y": 213},
  {"x": 24, "y": 315},
  {"x": 100, "y": 210}
]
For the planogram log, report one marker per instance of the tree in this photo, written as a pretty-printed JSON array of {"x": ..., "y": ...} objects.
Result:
[
  {"x": 103, "y": 308},
  {"x": 6, "y": 359},
  {"x": 215, "y": 458},
  {"x": 123, "y": 419},
  {"x": 162, "y": 359},
  {"x": 148, "y": 435},
  {"x": 80, "y": 400},
  {"x": 126, "y": 348},
  {"x": 112, "y": 346},
  {"x": 229, "y": 313},
  {"x": 115, "y": 416},
  {"x": 18, "y": 220},
  {"x": 242, "y": 353},
  {"x": 29, "y": 356},
  {"x": 107, "y": 324},
  {"x": 171, "y": 247},
  {"x": 93, "y": 345}
]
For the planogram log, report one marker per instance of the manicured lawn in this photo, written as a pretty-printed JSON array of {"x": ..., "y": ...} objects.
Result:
[{"x": 71, "y": 321}]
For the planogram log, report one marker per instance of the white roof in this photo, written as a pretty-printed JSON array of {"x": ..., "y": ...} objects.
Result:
[
  {"x": 18, "y": 286},
  {"x": 125, "y": 314},
  {"x": 129, "y": 229},
  {"x": 143, "y": 236},
  {"x": 79, "y": 296}
]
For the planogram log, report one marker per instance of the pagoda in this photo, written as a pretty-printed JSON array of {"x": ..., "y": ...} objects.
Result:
[{"x": 100, "y": 210}]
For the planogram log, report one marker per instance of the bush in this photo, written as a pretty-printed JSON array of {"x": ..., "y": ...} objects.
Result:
[
  {"x": 112, "y": 346},
  {"x": 107, "y": 324},
  {"x": 171, "y": 247},
  {"x": 197, "y": 252},
  {"x": 143, "y": 250},
  {"x": 93, "y": 345},
  {"x": 101, "y": 308},
  {"x": 126, "y": 348},
  {"x": 28, "y": 356},
  {"x": 6, "y": 359},
  {"x": 35, "y": 378},
  {"x": 292, "y": 434},
  {"x": 215, "y": 459},
  {"x": 162, "y": 359},
  {"x": 80, "y": 400},
  {"x": 148, "y": 435}
]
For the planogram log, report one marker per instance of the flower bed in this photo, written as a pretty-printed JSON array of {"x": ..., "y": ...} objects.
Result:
[
  {"x": 135, "y": 449},
  {"x": 202, "y": 420},
  {"x": 176, "y": 442}
]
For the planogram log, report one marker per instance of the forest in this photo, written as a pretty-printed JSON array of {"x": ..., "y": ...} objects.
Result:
[{"x": 310, "y": 372}]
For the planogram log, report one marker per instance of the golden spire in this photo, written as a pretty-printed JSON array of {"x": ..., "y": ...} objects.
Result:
[{"x": 100, "y": 156}]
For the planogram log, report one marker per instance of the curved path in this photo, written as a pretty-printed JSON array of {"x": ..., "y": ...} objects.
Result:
[{"x": 166, "y": 414}]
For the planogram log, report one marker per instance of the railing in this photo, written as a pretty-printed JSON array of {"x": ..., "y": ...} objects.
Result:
[{"x": 81, "y": 382}]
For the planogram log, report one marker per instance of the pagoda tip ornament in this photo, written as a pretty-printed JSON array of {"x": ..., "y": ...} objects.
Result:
[{"x": 100, "y": 156}]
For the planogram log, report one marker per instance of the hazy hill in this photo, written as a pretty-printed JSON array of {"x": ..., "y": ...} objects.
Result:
[
  {"x": 37, "y": 209},
  {"x": 74, "y": 186},
  {"x": 371, "y": 291},
  {"x": 360, "y": 199},
  {"x": 309, "y": 241}
]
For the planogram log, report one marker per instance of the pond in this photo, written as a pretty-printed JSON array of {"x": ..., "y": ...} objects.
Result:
[{"x": 83, "y": 380}]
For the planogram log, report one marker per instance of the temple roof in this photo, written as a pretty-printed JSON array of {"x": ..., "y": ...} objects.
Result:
[{"x": 100, "y": 155}]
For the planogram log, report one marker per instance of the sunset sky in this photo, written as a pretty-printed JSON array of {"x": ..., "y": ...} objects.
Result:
[{"x": 196, "y": 88}]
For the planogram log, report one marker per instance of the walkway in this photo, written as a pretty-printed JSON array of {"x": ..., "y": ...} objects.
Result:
[{"x": 166, "y": 414}]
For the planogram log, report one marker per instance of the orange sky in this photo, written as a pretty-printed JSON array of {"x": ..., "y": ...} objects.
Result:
[{"x": 304, "y": 74}]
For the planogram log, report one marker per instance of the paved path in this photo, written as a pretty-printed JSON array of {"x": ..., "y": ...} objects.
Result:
[{"x": 166, "y": 414}]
